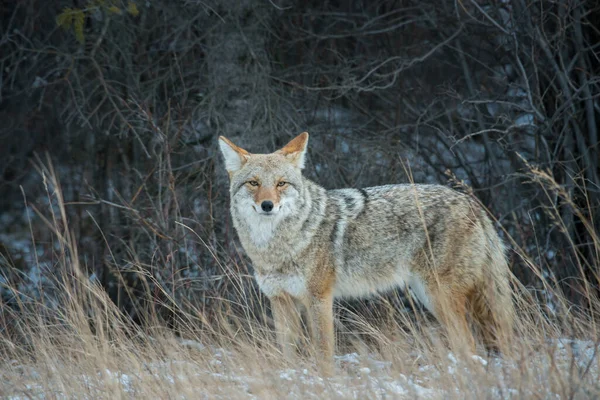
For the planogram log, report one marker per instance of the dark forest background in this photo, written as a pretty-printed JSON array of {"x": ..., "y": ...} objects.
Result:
[{"x": 113, "y": 108}]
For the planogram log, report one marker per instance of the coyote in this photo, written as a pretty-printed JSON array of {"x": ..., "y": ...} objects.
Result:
[{"x": 309, "y": 245}]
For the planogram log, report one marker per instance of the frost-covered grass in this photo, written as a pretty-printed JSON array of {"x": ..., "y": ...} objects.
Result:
[{"x": 166, "y": 367}]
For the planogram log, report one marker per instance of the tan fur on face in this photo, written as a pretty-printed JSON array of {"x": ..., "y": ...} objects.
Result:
[
  {"x": 264, "y": 193},
  {"x": 267, "y": 192}
]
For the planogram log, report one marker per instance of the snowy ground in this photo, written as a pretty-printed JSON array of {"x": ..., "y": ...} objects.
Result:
[{"x": 357, "y": 377}]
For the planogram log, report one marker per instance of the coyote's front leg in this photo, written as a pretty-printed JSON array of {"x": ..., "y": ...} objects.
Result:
[
  {"x": 287, "y": 324},
  {"x": 320, "y": 312}
]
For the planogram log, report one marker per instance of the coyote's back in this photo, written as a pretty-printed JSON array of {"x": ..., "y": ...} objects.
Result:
[{"x": 311, "y": 245}]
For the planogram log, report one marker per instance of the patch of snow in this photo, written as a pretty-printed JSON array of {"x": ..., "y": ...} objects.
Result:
[
  {"x": 333, "y": 114},
  {"x": 351, "y": 358},
  {"x": 287, "y": 374},
  {"x": 39, "y": 82},
  {"x": 483, "y": 362},
  {"x": 452, "y": 358},
  {"x": 524, "y": 120},
  {"x": 93, "y": 278},
  {"x": 345, "y": 147},
  {"x": 515, "y": 91},
  {"x": 493, "y": 108}
]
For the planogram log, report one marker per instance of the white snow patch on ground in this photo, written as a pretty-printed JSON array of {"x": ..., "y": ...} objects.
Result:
[{"x": 357, "y": 376}]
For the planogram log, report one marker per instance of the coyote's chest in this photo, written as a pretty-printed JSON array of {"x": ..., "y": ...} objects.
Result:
[
  {"x": 259, "y": 230},
  {"x": 277, "y": 283}
]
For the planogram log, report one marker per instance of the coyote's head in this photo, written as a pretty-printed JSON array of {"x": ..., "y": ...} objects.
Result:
[{"x": 267, "y": 186}]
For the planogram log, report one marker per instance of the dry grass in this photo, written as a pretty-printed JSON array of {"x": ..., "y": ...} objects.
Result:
[
  {"x": 67, "y": 359},
  {"x": 84, "y": 347}
]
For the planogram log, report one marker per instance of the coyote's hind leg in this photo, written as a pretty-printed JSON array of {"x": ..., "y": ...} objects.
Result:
[{"x": 450, "y": 309}]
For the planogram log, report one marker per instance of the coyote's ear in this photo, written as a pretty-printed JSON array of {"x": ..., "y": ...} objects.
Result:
[
  {"x": 295, "y": 150},
  {"x": 235, "y": 157}
]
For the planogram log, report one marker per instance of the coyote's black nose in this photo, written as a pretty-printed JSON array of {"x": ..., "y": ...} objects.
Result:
[{"x": 266, "y": 205}]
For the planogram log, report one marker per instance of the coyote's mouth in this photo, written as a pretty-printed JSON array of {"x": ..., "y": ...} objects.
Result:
[{"x": 264, "y": 213}]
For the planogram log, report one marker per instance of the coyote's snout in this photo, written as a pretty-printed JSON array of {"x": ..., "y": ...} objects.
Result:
[
  {"x": 309, "y": 245},
  {"x": 266, "y": 197}
]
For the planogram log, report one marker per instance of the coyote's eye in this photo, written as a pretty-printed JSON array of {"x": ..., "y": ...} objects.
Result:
[
  {"x": 281, "y": 184},
  {"x": 253, "y": 183}
]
